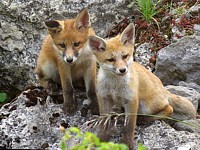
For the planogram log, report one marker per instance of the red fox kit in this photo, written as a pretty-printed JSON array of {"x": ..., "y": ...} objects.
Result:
[
  {"x": 65, "y": 58},
  {"x": 123, "y": 82}
]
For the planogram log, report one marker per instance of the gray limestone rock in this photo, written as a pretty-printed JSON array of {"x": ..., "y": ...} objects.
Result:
[
  {"x": 190, "y": 85},
  {"x": 32, "y": 121},
  {"x": 160, "y": 136},
  {"x": 143, "y": 55},
  {"x": 180, "y": 61},
  {"x": 188, "y": 125}
]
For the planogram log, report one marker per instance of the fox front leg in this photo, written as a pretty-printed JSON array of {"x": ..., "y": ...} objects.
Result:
[
  {"x": 90, "y": 83},
  {"x": 69, "y": 105},
  {"x": 131, "y": 110}
]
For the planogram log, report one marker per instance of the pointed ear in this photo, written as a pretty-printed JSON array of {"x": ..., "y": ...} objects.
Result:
[
  {"x": 96, "y": 44},
  {"x": 82, "y": 20},
  {"x": 128, "y": 35},
  {"x": 53, "y": 27}
]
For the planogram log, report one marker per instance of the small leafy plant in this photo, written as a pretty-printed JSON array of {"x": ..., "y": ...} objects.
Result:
[
  {"x": 148, "y": 9},
  {"x": 88, "y": 141},
  {"x": 3, "y": 97}
]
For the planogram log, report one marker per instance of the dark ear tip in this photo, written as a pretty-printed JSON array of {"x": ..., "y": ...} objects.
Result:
[{"x": 52, "y": 24}]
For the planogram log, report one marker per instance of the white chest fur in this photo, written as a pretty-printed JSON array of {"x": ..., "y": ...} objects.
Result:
[{"x": 115, "y": 86}]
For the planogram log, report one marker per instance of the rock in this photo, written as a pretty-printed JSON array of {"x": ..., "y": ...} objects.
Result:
[
  {"x": 160, "y": 135},
  {"x": 143, "y": 55},
  {"x": 189, "y": 93},
  {"x": 188, "y": 125},
  {"x": 187, "y": 146},
  {"x": 190, "y": 85},
  {"x": 197, "y": 27},
  {"x": 33, "y": 119},
  {"x": 194, "y": 8},
  {"x": 180, "y": 61}
]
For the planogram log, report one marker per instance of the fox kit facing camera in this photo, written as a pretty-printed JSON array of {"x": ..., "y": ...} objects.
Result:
[
  {"x": 123, "y": 82},
  {"x": 65, "y": 58}
]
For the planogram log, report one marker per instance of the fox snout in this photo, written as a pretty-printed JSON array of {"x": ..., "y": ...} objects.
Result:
[
  {"x": 70, "y": 56},
  {"x": 70, "y": 60},
  {"x": 120, "y": 66},
  {"x": 121, "y": 71}
]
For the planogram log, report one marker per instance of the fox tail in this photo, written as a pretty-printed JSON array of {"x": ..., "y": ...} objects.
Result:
[{"x": 183, "y": 108}]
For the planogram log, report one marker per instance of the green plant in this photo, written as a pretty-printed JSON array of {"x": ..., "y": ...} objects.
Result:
[
  {"x": 3, "y": 97},
  {"x": 148, "y": 8},
  {"x": 88, "y": 141}
]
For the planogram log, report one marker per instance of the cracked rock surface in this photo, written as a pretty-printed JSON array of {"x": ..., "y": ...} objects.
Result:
[{"x": 32, "y": 121}]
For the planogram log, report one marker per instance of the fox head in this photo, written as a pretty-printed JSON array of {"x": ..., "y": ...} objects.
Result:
[
  {"x": 69, "y": 37},
  {"x": 115, "y": 55}
]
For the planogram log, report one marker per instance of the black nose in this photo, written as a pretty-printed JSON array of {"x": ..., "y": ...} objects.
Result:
[
  {"x": 122, "y": 70},
  {"x": 70, "y": 60}
]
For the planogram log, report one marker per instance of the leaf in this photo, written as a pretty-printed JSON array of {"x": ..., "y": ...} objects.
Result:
[
  {"x": 123, "y": 147},
  {"x": 74, "y": 130},
  {"x": 3, "y": 97},
  {"x": 63, "y": 145},
  {"x": 141, "y": 147},
  {"x": 147, "y": 8}
]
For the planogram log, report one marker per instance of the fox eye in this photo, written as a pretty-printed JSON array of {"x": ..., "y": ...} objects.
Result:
[
  {"x": 111, "y": 60},
  {"x": 125, "y": 56},
  {"x": 76, "y": 44},
  {"x": 62, "y": 45}
]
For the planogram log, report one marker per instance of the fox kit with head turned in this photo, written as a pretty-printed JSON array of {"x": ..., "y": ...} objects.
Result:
[
  {"x": 123, "y": 82},
  {"x": 65, "y": 58}
]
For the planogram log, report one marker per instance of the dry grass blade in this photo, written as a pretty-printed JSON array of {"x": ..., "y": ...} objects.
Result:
[
  {"x": 116, "y": 118},
  {"x": 96, "y": 123},
  {"x": 107, "y": 121},
  {"x": 126, "y": 120}
]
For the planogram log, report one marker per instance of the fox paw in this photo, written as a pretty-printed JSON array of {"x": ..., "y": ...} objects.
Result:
[
  {"x": 84, "y": 110},
  {"x": 94, "y": 108},
  {"x": 69, "y": 108},
  {"x": 95, "y": 111}
]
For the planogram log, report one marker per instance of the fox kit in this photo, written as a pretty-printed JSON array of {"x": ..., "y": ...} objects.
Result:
[
  {"x": 65, "y": 58},
  {"x": 123, "y": 82}
]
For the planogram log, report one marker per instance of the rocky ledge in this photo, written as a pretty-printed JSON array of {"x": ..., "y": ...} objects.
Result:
[{"x": 32, "y": 121}]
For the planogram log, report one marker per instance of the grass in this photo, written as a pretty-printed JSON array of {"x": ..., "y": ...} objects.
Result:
[{"x": 147, "y": 9}]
